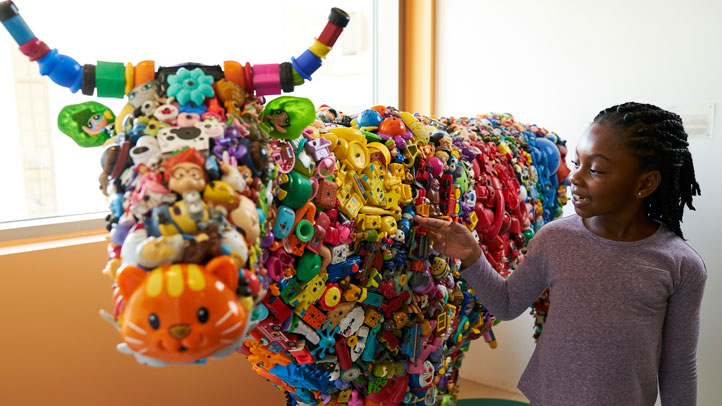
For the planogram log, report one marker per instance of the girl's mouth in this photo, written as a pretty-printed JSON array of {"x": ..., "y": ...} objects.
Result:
[{"x": 578, "y": 199}]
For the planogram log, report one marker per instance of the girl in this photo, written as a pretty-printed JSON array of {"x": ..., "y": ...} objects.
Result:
[{"x": 625, "y": 287}]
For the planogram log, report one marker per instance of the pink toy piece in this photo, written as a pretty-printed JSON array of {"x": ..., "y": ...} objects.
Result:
[
  {"x": 437, "y": 167},
  {"x": 326, "y": 166},
  {"x": 284, "y": 156},
  {"x": 267, "y": 79},
  {"x": 188, "y": 119}
]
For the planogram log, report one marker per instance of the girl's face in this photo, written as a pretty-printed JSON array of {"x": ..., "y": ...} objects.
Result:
[{"x": 605, "y": 180}]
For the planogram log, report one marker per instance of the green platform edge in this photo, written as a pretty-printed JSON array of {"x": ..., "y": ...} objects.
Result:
[{"x": 489, "y": 402}]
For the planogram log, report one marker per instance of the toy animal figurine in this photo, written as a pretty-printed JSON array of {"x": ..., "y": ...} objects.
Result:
[
  {"x": 230, "y": 215},
  {"x": 182, "y": 312}
]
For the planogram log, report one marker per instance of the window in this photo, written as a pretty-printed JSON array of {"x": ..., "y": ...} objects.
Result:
[{"x": 48, "y": 175}]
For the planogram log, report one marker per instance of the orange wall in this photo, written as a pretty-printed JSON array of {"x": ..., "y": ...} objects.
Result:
[{"x": 56, "y": 349}]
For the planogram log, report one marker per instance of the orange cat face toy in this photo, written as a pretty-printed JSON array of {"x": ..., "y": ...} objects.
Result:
[{"x": 181, "y": 313}]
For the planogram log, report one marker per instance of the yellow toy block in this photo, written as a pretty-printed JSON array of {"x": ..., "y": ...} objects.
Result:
[
  {"x": 397, "y": 170},
  {"x": 388, "y": 225},
  {"x": 350, "y": 194},
  {"x": 309, "y": 294},
  {"x": 406, "y": 194},
  {"x": 474, "y": 220},
  {"x": 422, "y": 209},
  {"x": 368, "y": 222},
  {"x": 503, "y": 148},
  {"x": 372, "y": 180}
]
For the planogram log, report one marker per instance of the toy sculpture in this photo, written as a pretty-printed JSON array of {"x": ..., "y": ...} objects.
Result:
[{"x": 286, "y": 232}]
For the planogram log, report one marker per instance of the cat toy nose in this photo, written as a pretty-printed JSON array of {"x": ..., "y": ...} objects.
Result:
[{"x": 179, "y": 331}]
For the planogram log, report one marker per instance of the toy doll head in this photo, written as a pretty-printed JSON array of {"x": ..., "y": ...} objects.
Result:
[
  {"x": 144, "y": 92},
  {"x": 656, "y": 138},
  {"x": 287, "y": 116},
  {"x": 85, "y": 123},
  {"x": 184, "y": 171}
]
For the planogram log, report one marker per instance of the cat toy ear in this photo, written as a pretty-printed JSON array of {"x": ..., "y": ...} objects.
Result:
[
  {"x": 225, "y": 269},
  {"x": 129, "y": 279}
]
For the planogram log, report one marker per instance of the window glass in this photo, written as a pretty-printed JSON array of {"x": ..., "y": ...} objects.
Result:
[{"x": 47, "y": 174}]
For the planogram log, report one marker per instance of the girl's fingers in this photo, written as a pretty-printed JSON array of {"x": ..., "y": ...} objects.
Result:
[
  {"x": 440, "y": 247},
  {"x": 436, "y": 237},
  {"x": 458, "y": 227},
  {"x": 433, "y": 236},
  {"x": 431, "y": 223}
]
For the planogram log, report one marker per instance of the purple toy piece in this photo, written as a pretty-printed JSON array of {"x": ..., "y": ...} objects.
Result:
[{"x": 318, "y": 148}]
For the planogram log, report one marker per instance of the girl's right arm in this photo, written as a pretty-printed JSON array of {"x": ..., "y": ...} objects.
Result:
[
  {"x": 505, "y": 298},
  {"x": 508, "y": 298}
]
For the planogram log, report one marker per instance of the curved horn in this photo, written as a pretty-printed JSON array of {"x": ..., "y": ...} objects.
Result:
[
  {"x": 62, "y": 69},
  {"x": 273, "y": 78},
  {"x": 113, "y": 79}
]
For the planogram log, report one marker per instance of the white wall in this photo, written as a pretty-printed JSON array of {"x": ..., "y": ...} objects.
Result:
[{"x": 557, "y": 63}]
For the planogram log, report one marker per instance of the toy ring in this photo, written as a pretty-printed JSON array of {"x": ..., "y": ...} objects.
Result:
[
  {"x": 304, "y": 230},
  {"x": 314, "y": 187},
  {"x": 326, "y": 167}
]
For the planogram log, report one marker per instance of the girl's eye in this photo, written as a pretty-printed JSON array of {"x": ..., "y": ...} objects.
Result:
[
  {"x": 595, "y": 172},
  {"x": 576, "y": 164}
]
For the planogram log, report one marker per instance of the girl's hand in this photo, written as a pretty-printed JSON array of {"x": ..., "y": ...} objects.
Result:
[{"x": 452, "y": 239}]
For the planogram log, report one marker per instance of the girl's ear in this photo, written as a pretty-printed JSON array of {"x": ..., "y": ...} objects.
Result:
[{"x": 648, "y": 183}]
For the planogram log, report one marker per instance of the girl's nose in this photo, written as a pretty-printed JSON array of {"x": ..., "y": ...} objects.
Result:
[{"x": 574, "y": 176}]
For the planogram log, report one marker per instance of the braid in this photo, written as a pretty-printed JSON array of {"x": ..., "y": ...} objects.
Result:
[{"x": 658, "y": 139}]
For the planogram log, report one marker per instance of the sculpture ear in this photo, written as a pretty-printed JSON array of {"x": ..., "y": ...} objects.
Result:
[
  {"x": 129, "y": 279},
  {"x": 225, "y": 269}
]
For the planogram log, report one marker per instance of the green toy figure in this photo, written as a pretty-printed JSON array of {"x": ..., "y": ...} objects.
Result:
[
  {"x": 286, "y": 116},
  {"x": 89, "y": 124}
]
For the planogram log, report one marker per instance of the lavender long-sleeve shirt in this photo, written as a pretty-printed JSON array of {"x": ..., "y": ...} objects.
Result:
[{"x": 622, "y": 315}]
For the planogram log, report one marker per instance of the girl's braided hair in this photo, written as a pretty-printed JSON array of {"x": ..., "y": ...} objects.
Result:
[{"x": 658, "y": 139}]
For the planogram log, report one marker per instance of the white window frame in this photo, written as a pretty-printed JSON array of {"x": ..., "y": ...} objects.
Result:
[{"x": 386, "y": 91}]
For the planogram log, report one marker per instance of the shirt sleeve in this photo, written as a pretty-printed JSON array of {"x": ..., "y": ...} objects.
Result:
[
  {"x": 678, "y": 364},
  {"x": 508, "y": 298}
]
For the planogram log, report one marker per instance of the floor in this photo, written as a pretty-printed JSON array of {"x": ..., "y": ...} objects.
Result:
[{"x": 474, "y": 390}]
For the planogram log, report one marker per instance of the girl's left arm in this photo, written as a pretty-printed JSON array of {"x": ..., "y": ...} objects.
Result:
[{"x": 678, "y": 365}]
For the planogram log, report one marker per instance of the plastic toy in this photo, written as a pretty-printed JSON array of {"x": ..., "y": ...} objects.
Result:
[
  {"x": 182, "y": 306},
  {"x": 285, "y": 117},
  {"x": 86, "y": 123}
]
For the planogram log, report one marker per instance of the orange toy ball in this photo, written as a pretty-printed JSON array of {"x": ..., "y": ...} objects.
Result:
[
  {"x": 381, "y": 109},
  {"x": 392, "y": 126}
]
